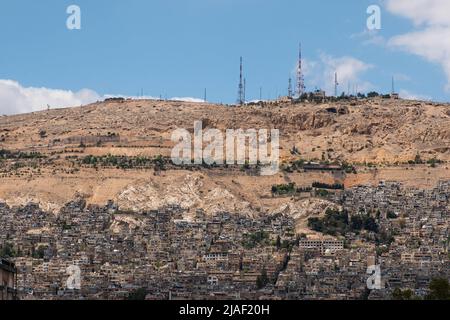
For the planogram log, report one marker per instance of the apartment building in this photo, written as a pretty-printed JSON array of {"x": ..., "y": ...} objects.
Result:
[{"x": 8, "y": 280}]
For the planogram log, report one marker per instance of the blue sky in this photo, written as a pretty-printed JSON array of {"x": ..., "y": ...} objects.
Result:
[{"x": 177, "y": 48}]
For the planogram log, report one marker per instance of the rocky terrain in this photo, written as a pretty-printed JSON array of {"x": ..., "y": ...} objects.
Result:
[{"x": 44, "y": 153}]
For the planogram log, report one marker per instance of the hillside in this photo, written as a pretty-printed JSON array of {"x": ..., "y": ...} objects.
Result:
[{"x": 378, "y": 137}]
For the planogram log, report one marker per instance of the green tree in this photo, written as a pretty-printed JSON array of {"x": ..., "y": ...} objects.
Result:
[
  {"x": 398, "y": 294},
  {"x": 418, "y": 159},
  {"x": 356, "y": 223},
  {"x": 439, "y": 289},
  {"x": 370, "y": 224},
  {"x": 278, "y": 243},
  {"x": 137, "y": 295},
  {"x": 262, "y": 280},
  {"x": 39, "y": 253},
  {"x": 7, "y": 251}
]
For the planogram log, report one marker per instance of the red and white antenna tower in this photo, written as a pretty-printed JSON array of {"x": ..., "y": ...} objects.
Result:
[{"x": 300, "y": 77}]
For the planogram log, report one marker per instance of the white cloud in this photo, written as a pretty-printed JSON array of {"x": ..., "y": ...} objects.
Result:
[
  {"x": 15, "y": 98},
  {"x": 369, "y": 37},
  {"x": 422, "y": 12},
  {"x": 178, "y": 99},
  {"x": 188, "y": 99},
  {"x": 401, "y": 77},
  {"x": 349, "y": 70},
  {"x": 431, "y": 39},
  {"x": 405, "y": 94}
]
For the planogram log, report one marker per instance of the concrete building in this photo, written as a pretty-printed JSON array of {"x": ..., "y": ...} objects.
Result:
[
  {"x": 319, "y": 96},
  {"x": 8, "y": 280},
  {"x": 322, "y": 245}
]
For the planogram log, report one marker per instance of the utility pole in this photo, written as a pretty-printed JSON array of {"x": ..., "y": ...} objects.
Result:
[{"x": 204, "y": 99}]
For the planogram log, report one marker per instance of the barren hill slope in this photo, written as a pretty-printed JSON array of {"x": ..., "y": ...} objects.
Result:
[
  {"x": 387, "y": 133},
  {"x": 375, "y": 131}
]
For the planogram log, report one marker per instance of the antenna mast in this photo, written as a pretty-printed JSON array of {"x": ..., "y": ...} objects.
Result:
[
  {"x": 241, "y": 93},
  {"x": 290, "y": 88},
  {"x": 336, "y": 84},
  {"x": 245, "y": 90},
  {"x": 300, "y": 78},
  {"x": 393, "y": 85}
]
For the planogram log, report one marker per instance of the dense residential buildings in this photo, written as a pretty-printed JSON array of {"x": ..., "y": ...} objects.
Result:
[{"x": 227, "y": 255}]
